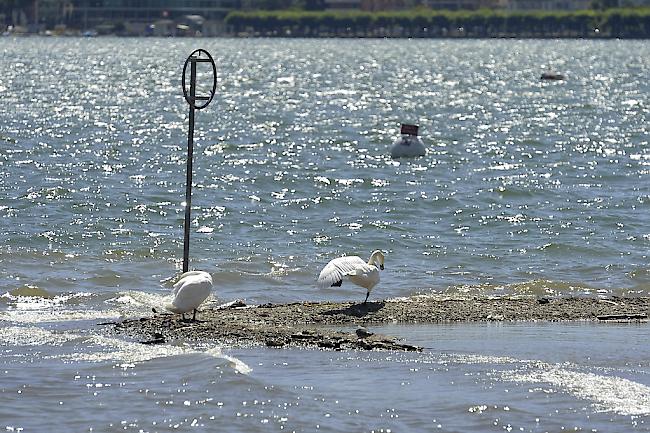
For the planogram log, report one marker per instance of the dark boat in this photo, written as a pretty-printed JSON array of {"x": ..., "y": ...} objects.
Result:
[{"x": 552, "y": 76}]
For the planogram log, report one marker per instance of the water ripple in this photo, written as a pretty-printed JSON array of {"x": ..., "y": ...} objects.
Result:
[{"x": 545, "y": 179}]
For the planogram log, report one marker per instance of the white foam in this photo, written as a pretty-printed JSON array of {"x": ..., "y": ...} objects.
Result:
[
  {"x": 31, "y": 336},
  {"x": 38, "y": 316},
  {"x": 609, "y": 393},
  {"x": 238, "y": 365},
  {"x": 125, "y": 353},
  {"x": 128, "y": 353},
  {"x": 136, "y": 302},
  {"x": 78, "y": 306},
  {"x": 20, "y": 302},
  {"x": 472, "y": 358},
  {"x": 40, "y": 309}
]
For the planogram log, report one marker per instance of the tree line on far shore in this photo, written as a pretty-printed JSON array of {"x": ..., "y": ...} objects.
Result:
[{"x": 425, "y": 23}]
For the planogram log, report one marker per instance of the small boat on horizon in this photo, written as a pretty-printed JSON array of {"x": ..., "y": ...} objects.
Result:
[{"x": 556, "y": 76}]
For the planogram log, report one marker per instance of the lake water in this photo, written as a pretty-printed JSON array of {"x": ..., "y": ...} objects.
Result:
[{"x": 528, "y": 188}]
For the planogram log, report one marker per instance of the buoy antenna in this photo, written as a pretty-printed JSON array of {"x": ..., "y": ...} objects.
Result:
[{"x": 409, "y": 129}]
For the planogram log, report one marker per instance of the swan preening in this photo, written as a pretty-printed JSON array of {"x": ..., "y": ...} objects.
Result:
[
  {"x": 355, "y": 269},
  {"x": 189, "y": 292}
]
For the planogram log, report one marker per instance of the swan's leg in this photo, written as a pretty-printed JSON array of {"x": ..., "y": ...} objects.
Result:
[
  {"x": 194, "y": 316},
  {"x": 183, "y": 316},
  {"x": 367, "y": 294}
]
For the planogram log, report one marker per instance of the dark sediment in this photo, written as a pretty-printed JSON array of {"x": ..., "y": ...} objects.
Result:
[{"x": 312, "y": 324}]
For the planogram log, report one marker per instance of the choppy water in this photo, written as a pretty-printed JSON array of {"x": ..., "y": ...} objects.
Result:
[{"x": 528, "y": 187}]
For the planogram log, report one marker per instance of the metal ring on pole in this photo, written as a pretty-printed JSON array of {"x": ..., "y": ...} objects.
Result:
[{"x": 207, "y": 99}]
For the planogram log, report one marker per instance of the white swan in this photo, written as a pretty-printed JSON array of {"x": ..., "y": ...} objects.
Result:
[
  {"x": 359, "y": 272},
  {"x": 189, "y": 292}
]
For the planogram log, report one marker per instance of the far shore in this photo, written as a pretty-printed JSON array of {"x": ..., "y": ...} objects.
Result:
[
  {"x": 314, "y": 324},
  {"x": 418, "y": 23}
]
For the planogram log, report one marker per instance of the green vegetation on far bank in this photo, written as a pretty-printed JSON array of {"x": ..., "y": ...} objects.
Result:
[{"x": 423, "y": 23}]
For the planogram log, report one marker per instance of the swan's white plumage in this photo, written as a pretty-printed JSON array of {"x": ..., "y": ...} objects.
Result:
[
  {"x": 190, "y": 291},
  {"x": 339, "y": 268},
  {"x": 354, "y": 268}
]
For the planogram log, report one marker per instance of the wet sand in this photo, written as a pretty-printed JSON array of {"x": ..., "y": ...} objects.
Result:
[{"x": 327, "y": 324}]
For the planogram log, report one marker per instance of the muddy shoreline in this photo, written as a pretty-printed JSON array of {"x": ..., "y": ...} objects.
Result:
[{"x": 314, "y": 324}]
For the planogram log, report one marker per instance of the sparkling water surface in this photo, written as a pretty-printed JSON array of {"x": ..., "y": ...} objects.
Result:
[{"x": 528, "y": 188}]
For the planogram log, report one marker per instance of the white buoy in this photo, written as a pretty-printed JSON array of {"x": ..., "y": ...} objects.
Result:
[{"x": 409, "y": 144}]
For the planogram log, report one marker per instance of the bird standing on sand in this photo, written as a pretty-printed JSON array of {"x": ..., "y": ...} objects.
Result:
[
  {"x": 363, "y": 332},
  {"x": 189, "y": 292},
  {"x": 355, "y": 269}
]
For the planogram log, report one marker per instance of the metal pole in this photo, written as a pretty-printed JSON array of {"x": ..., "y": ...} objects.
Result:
[
  {"x": 190, "y": 153},
  {"x": 197, "y": 56}
]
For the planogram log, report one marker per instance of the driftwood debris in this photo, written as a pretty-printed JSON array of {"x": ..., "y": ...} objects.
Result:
[{"x": 623, "y": 316}]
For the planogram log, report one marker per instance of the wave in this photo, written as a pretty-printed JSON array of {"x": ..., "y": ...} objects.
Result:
[
  {"x": 608, "y": 393},
  {"x": 533, "y": 288},
  {"x": 99, "y": 348},
  {"x": 34, "y": 305}
]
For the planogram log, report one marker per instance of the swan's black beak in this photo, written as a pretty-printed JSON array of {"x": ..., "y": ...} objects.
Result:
[{"x": 381, "y": 267}]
